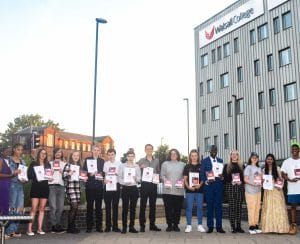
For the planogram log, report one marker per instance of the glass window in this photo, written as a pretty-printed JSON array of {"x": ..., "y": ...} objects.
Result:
[
  {"x": 209, "y": 86},
  {"x": 66, "y": 144},
  {"x": 286, "y": 20},
  {"x": 263, "y": 32},
  {"x": 257, "y": 135},
  {"x": 285, "y": 56},
  {"x": 73, "y": 145},
  {"x": 203, "y": 116},
  {"x": 89, "y": 148},
  {"x": 240, "y": 74},
  {"x": 270, "y": 62},
  {"x": 272, "y": 97},
  {"x": 292, "y": 128},
  {"x": 257, "y": 67},
  {"x": 277, "y": 132},
  {"x": 236, "y": 45},
  {"x": 226, "y": 141},
  {"x": 216, "y": 141},
  {"x": 252, "y": 37},
  {"x": 206, "y": 144},
  {"x": 50, "y": 140},
  {"x": 215, "y": 113},
  {"x": 224, "y": 80},
  {"x": 229, "y": 109},
  {"x": 201, "y": 89},
  {"x": 226, "y": 49},
  {"x": 240, "y": 106},
  {"x": 213, "y": 56},
  {"x": 83, "y": 147},
  {"x": 78, "y": 146},
  {"x": 261, "y": 104},
  {"x": 276, "y": 25},
  {"x": 219, "y": 50},
  {"x": 290, "y": 92},
  {"x": 204, "y": 60}
]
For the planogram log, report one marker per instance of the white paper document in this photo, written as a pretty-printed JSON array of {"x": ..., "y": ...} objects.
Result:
[
  {"x": 129, "y": 175},
  {"x": 217, "y": 169},
  {"x": 111, "y": 182},
  {"x": 23, "y": 174},
  {"x": 193, "y": 179},
  {"x": 268, "y": 182},
  {"x": 155, "y": 179},
  {"x": 75, "y": 169},
  {"x": 39, "y": 172},
  {"x": 91, "y": 165},
  {"x": 147, "y": 174}
]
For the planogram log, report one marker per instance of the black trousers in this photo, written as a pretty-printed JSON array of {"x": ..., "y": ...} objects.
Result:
[
  {"x": 148, "y": 190},
  {"x": 94, "y": 196},
  {"x": 235, "y": 197},
  {"x": 130, "y": 195},
  {"x": 173, "y": 205},
  {"x": 111, "y": 199}
]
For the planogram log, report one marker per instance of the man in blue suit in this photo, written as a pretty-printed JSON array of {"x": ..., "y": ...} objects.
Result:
[{"x": 213, "y": 189}]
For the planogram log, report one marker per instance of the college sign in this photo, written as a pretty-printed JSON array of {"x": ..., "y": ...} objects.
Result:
[
  {"x": 274, "y": 3},
  {"x": 238, "y": 17}
]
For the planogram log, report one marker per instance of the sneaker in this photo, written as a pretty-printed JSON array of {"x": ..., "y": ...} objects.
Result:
[
  {"x": 188, "y": 229},
  {"x": 154, "y": 228},
  {"x": 142, "y": 229},
  {"x": 239, "y": 230},
  {"x": 41, "y": 232},
  {"x": 53, "y": 229},
  {"x": 60, "y": 229},
  {"x": 201, "y": 229},
  {"x": 176, "y": 228},
  {"x": 169, "y": 228},
  {"x": 258, "y": 231},
  {"x": 133, "y": 230},
  {"x": 30, "y": 233},
  {"x": 16, "y": 235},
  {"x": 293, "y": 229},
  {"x": 6, "y": 237}
]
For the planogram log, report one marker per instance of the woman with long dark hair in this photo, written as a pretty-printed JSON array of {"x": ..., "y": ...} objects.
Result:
[{"x": 274, "y": 218}]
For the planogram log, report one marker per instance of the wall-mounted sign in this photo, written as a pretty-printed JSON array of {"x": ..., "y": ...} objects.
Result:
[{"x": 274, "y": 3}]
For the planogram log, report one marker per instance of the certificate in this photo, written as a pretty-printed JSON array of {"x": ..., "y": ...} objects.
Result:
[
  {"x": 210, "y": 175},
  {"x": 91, "y": 165},
  {"x": 129, "y": 175},
  {"x": 279, "y": 183},
  {"x": 218, "y": 169},
  {"x": 99, "y": 176},
  {"x": 56, "y": 165},
  {"x": 83, "y": 175},
  {"x": 22, "y": 176},
  {"x": 193, "y": 179},
  {"x": 179, "y": 184},
  {"x": 297, "y": 173},
  {"x": 155, "y": 179},
  {"x": 257, "y": 179},
  {"x": 112, "y": 170},
  {"x": 268, "y": 182},
  {"x": 39, "y": 173},
  {"x": 236, "y": 178},
  {"x": 168, "y": 184},
  {"x": 48, "y": 174},
  {"x": 75, "y": 169},
  {"x": 147, "y": 174},
  {"x": 111, "y": 182}
]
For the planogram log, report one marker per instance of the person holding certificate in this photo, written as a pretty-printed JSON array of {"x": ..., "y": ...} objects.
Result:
[
  {"x": 129, "y": 177},
  {"x": 112, "y": 191},
  {"x": 149, "y": 166},
  {"x": 211, "y": 175},
  {"x": 290, "y": 169},
  {"x": 194, "y": 190},
  {"x": 94, "y": 190},
  {"x": 172, "y": 176},
  {"x": 57, "y": 191},
  {"x": 233, "y": 179},
  {"x": 39, "y": 191},
  {"x": 71, "y": 179},
  {"x": 274, "y": 217},
  {"x": 253, "y": 181}
]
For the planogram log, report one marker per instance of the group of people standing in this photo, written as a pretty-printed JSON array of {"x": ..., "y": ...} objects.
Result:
[{"x": 111, "y": 180}]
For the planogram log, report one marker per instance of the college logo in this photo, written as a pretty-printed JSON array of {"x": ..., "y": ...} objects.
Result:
[{"x": 210, "y": 35}]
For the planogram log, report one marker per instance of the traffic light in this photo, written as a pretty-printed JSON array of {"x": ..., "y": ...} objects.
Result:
[{"x": 36, "y": 141}]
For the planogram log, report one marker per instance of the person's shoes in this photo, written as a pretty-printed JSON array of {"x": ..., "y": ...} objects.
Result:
[
  {"x": 99, "y": 229},
  {"x": 154, "y": 228},
  {"x": 124, "y": 230},
  {"x": 60, "y": 229},
  {"x": 6, "y": 237},
  {"x": 53, "y": 229},
  {"x": 107, "y": 229},
  {"x": 210, "y": 230},
  {"x": 88, "y": 230},
  {"x": 132, "y": 230},
  {"x": 221, "y": 231},
  {"x": 30, "y": 233},
  {"x": 293, "y": 229},
  {"x": 188, "y": 229},
  {"x": 233, "y": 230},
  {"x": 176, "y": 228},
  {"x": 15, "y": 235},
  {"x": 73, "y": 231},
  {"x": 201, "y": 229},
  {"x": 142, "y": 229},
  {"x": 257, "y": 230},
  {"x": 239, "y": 230},
  {"x": 41, "y": 232},
  {"x": 169, "y": 228},
  {"x": 116, "y": 229},
  {"x": 252, "y": 230}
]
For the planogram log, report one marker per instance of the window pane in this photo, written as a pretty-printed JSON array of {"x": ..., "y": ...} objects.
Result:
[
  {"x": 292, "y": 127},
  {"x": 204, "y": 60},
  {"x": 224, "y": 80},
  {"x": 236, "y": 45},
  {"x": 276, "y": 25},
  {"x": 277, "y": 132},
  {"x": 240, "y": 106},
  {"x": 270, "y": 62},
  {"x": 206, "y": 144},
  {"x": 257, "y": 67},
  {"x": 229, "y": 109},
  {"x": 261, "y": 100},
  {"x": 285, "y": 56},
  {"x": 213, "y": 56},
  {"x": 219, "y": 50},
  {"x": 215, "y": 113},
  {"x": 226, "y": 49},
  {"x": 286, "y": 20},
  {"x": 263, "y": 32},
  {"x": 252, "y": 37},
  {"x": 272, "y": 96},
  {"x": 201, "y": 89},
  {"x": 257, "y": 135},
  {"x": 216, "y": 141},
  {"x": 290, "y": 92},
  {"x": 226, "y": 141},
  {"x": 50, "y": 139},
  {"x": 209, "y": 86},
  {"x": 203, "y": 116},
  {"x": 240, "y": 74}
]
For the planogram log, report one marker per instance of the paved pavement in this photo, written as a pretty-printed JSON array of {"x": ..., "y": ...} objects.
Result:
[{"x": 162, "y": 237}]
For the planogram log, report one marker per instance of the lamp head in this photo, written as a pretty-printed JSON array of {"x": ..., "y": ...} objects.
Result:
[{"x": 100, "y": 20}]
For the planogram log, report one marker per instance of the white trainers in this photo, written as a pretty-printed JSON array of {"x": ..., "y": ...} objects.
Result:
[
  {"x": 258, "y": 231},
  {"x": 30, "y": 233},
  {"x": 40, "y": 232},
  {"x": 188, "y": 229},
  {"x": 201, "y": 229},
  {"x": 252, "y": 232}
]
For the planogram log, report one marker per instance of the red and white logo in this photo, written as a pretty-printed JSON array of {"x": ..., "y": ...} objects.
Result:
[{"x": 210, "y": 35}]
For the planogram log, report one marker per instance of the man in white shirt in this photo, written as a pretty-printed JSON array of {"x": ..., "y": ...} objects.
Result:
[{"x": 291, "y": 173}]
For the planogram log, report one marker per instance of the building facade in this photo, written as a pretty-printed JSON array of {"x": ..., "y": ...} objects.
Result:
[{"x": 247, "y": 78}]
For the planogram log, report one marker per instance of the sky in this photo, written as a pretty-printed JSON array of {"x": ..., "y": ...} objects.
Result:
[{"x": 146, "y": 66}]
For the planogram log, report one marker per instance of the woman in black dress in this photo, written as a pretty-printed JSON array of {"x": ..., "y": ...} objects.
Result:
[{"x": 39, "y": 192}]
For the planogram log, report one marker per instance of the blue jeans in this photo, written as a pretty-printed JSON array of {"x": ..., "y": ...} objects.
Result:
[
  {"x": 190, "y": 198},
  {"x": 16, "y": 201}
]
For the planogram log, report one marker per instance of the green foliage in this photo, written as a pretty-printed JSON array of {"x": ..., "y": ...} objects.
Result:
[
  {"x": 184, "y": 158},
  {"x": 22, "y": 122},
  {"x": 161, "y": 153}
]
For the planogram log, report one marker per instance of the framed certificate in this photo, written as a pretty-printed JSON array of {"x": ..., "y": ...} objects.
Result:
[
  {"x": 268, "y": 182},
  {"x": 218, "y": 169},
  {"x": 91, "y": 165},
  {"x": 129, "y": 174},
  {"x": 48, "y": 174},
  {"x": 193, "y": 179},
  {"x": 39, "y": 173},
  {"x": 210, "y": 175},
  {"x": 236, "y": 178},
  {"x": 22, "y": 176},
  {"x": 147, "y": 174},
  {"x": 75, "y": 169},
  {"x": 111, "y": 182}
]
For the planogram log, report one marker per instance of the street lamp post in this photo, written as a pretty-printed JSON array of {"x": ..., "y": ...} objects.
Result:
[
  {"x": 235, "y": 123},
  {"x": 188, "y": 124},
  {"x": 101, "y": 21}
]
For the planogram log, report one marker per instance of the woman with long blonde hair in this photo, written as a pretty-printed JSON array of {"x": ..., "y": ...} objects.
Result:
[{"x": 233, "y": 178}]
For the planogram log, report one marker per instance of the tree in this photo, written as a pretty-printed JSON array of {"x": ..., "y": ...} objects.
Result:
[
  {"x": 23, "y": 122},
  {"x": 161, "y": 153}
]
